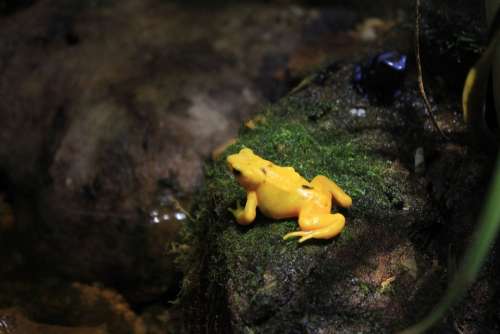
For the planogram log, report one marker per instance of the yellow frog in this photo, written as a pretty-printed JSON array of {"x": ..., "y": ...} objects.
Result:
[{"x": 280, "y": 192}]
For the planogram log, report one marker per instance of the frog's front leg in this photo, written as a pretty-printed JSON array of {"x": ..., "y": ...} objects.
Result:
[
  {"x": 246, "y": 215},
  {"x": 327, "y": 185},
  {"x": 317, "y": 224}
]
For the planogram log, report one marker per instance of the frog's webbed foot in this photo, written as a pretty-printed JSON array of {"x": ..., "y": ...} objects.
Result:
[{"x": 325, "y": 226}]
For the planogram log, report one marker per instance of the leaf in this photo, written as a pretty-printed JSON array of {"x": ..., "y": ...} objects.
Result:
[{"x": 476, "y": 83}]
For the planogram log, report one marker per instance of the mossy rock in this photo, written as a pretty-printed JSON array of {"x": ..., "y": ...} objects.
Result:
[{"x": 255, "y": 282}]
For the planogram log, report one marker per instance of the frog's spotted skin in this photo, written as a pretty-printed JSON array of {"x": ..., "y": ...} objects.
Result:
[{"x": 280, "y": 192}]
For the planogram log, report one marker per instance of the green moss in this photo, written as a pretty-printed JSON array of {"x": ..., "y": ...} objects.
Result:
[
  {"x": 251, "y": 256},
  {"x": 312, "y": 152}
]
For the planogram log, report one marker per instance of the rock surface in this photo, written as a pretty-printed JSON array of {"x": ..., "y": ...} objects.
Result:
[
  {"x": 108, "y": 111},
  {"x": 388, "y": 267},
  {"x": 68, "y": 309}
]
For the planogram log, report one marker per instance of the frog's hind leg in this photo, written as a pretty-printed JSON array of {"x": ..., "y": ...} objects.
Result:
[
  {"x": 339, "y": 196},
  {"x": 318, "y": 226}
]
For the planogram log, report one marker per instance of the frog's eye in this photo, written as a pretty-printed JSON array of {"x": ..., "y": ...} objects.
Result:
[{"x": 236, "y": 172}]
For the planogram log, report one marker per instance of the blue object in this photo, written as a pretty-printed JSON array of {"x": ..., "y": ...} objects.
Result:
[
  {"x": 381, "y": 77},
  {"x": 392, "y": 59}
]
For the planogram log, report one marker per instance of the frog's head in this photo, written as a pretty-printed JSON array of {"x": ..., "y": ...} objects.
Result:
[{"x": 247, "y": 168}]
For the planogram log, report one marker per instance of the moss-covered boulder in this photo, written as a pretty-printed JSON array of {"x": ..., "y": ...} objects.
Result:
[
  {"x": 258, "y": 283},
  {"x": 404, "y": 232}
]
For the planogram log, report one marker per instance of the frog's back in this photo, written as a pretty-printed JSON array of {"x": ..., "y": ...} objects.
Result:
[
  {"x": 281, "y": 195},
  {"x": 285, "y": 178}
]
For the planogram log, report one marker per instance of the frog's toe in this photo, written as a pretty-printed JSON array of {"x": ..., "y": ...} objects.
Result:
[
  {"x": 302, "y": 234},
  {"x": 237, "y": 210},
  {"x": 306, "y": 237}
]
